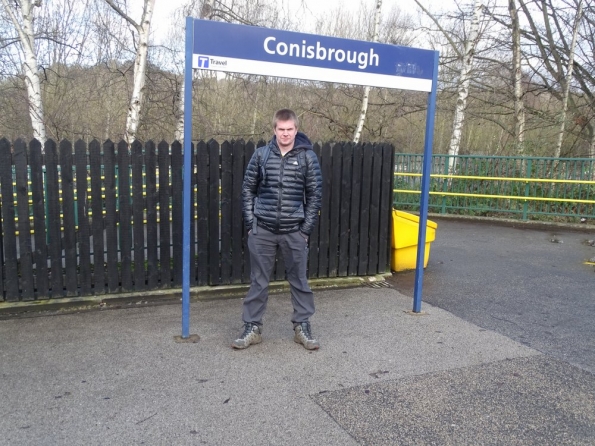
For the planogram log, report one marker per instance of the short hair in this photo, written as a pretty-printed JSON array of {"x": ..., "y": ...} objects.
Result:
[{"x": 285, "y": 114}]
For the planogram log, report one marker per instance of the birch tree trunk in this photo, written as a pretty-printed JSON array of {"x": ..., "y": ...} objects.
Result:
[
  {"x": 255, "y": 107},
  {"x": 464, "y": 81},
  {"x": 27, "y": 39},
  {"x": 567, "y": 81},
  {"x": 364, "y": 110},
  {"x": 179, "y": 132},
  {"x": 519, "y": 106},
  {"x": 140, "y": 66}
]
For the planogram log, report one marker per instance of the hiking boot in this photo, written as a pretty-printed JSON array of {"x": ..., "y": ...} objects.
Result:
[
  {"x": 252, "y": 335},
  {"x": 303, "y": 335}
]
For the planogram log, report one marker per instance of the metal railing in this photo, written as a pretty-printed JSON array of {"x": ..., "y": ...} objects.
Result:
[{"x": 527, "y": 188}]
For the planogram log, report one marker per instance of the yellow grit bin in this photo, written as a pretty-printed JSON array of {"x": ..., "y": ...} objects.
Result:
[{"x": 404, "y": 240}]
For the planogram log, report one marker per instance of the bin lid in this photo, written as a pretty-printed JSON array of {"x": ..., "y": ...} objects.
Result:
[{"x": 414, "y": 218}]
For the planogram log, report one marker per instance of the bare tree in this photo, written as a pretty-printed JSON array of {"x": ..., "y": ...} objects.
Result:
[
  {"x": 21, "y": 14},
  {"x": 517, "y": 74},
  {"x": 140, "y": 64},
  {"x": 567, "y": 80},
  {"x": 206, "y": 11},
  {"x": 364, "y": 109},
  {"x": 466, "y": 60},
  {"x": 550, "y": 52}
]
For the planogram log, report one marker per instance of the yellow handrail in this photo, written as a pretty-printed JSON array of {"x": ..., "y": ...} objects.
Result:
[
  {"x": 522, "y": 180},
  {"x": 513, "y": 197}
]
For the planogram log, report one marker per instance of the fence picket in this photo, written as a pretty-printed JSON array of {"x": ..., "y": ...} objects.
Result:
[
  {"x": 326, "y": 164},
  {"x": 138, "y": 211},
  {"x": 124, "y": 216},
  {"x": 39, "y": 220},
  {"x": 202, "y": 206},
  {"x": 237, "y": 224},
  {"x": 69, "y": 221},
  {"x": 214, "y": 251},
  {"x": 226, "y": 211},
  {"x": 193, "y": 191},
  {"x": 354, "y": 217},
  {"x": 11, "y": 277},
  {"x": 163, "y": 159},
  {"x": 364, "y": 226},
  {"x": 111, "y": 219},
  {"x": 177, "y": 163},
  {"x": 374, "y": 228},
  {"x": 53, "y": 200},
  {"x": 334, "y": 209},
  {"x": 345, "y": 208},
  {"x": 97, "y": 222},
  {"x": 385, "y": 211},
  {"x": 82, "y": 202},
  {"x": 152, "y": 258},
  {"x": 25, "y": 254}
]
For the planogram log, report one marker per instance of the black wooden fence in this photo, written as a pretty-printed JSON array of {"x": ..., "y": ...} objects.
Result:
[{"x": 107, "y": 218}]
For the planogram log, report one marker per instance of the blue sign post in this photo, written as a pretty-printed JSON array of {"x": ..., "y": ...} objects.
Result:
[{"x": 233, "y": 48}]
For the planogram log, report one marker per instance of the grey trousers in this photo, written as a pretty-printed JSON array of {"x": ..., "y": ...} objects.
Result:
[{"x": 263, "y": 248}]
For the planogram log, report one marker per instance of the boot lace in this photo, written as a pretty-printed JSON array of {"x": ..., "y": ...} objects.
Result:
[
  {"x": 247, "y": 330},
  {"x": 307, "y": 331}
]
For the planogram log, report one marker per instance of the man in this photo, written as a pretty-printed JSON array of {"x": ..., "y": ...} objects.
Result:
[{"x": 281, "y": 194}]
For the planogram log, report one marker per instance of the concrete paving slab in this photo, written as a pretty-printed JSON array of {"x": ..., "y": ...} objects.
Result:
[{"x": 118, "y": 377}]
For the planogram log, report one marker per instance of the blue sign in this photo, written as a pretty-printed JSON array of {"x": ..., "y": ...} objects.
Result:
[{"x": 246, "y": 49}]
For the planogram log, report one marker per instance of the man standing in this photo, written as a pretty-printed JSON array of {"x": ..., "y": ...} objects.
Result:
[{"x": 281, "y": 194}]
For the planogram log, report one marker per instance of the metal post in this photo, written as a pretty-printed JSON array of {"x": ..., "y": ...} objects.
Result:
[
  {"x": 527, "y": 189},
  {"x": 425, "y": 189},
  {"x": 186, "y": 337}
]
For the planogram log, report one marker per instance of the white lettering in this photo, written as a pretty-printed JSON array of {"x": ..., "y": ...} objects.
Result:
[
  {"x": 363, "y": 59},
  {"x": 320, "y": 51},
  {"x": 294, "y": 50},
  {"x": 374, "y": 57},
  {"x": 282, "y": 48},
  {"x": 266, "y": 42}
]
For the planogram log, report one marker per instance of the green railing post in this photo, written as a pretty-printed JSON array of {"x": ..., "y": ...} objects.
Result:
[
  {"x": 527, "y": 189},
  {"x": 445, "y": 183}
]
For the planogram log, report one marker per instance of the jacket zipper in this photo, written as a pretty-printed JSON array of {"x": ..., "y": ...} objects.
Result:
[{"x": 279, "y": 199}]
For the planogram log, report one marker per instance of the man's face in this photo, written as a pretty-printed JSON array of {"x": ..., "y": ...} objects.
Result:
[{"x": 285, "y": 131}]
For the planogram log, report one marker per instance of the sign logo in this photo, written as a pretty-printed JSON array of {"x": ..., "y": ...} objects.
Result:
[{"x": 203, "y": 61}]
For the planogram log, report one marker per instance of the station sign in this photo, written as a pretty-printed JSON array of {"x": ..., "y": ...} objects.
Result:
[{"x": 234, "y": 48}]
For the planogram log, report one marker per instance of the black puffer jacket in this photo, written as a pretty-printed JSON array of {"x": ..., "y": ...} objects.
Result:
[{"x": 288, "y": 198}]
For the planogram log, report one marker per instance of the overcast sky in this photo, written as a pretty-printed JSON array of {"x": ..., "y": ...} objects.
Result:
[{"x": 310, "y": 9}]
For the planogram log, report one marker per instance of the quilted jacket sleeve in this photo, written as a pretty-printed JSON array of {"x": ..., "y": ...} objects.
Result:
[
  {"x": 313, "y": 193},
  {"x": 250, "y": 188}
]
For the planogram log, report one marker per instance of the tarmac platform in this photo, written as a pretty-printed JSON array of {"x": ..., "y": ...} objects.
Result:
[
  {"x": 383, "y": 376},
  {"x": 503, "y": 354}
]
